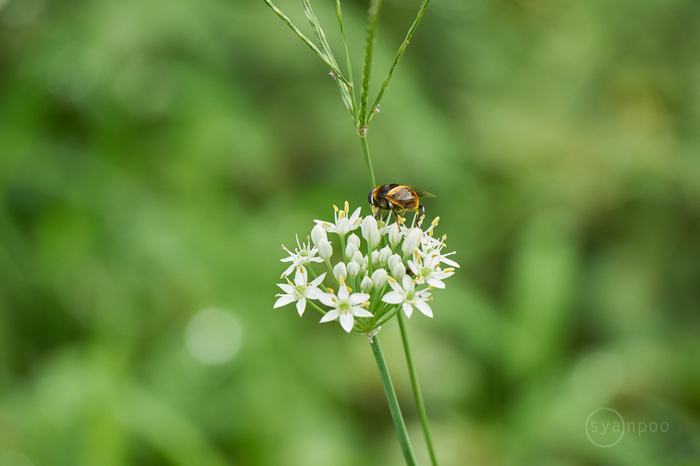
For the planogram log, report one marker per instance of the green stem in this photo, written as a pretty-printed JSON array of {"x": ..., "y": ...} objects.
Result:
[
  {"x": 393, "y": 403},
  {"x": 368, "y": 162},
  {"x": 416, "y": 389},
  {"x": 372, "y": 20}
]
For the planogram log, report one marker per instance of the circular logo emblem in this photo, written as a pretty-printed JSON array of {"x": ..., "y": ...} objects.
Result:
[{"x": 605, "y": 427}]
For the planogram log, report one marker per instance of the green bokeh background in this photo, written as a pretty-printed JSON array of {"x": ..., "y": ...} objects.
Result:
[{"x": 155, "y": 154}]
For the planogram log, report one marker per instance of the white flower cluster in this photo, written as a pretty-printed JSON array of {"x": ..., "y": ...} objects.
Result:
[{"x": 395, "y": 268}]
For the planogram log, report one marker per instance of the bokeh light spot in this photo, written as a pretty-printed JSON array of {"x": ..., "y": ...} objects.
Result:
[{"x": 213, "y": 336}]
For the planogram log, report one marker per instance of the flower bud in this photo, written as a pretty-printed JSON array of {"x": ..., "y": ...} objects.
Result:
[
  {"x": 359, "y": 258},
  {"x": 379, "y": 278},
  {"x": 411, "y": 242},
  {"x": 375, "y": 259},
  {"x": 325, "y": 250},
  {"x": 370, "y": 232},
  {"x": 398, "y": 271},
  {"x": 355, "y": 240},
  {"x": 393, "y": 260},
  {"x": 353, "y": 269},
  {"x": 394, "y": 234},
  {"x": 318, "y": 233},
  {"x": 366, "y": 285},
  {"x": 350, "y": 249},
  {"x": 340, "y": 271},
  {"x": 384, "y": 255}
]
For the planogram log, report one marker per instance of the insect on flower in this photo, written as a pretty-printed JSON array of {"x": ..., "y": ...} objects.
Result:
[{"x": 397, "y": 199}]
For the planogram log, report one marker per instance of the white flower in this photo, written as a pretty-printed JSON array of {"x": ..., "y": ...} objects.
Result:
[
  {"x": 343, "y": 221},
  {"x": 429, "y": 271},
  {"x": 325, "y": 250},
  {"x": 354, "y": 269},
  {"x": 304, "y": 254},
  {"x": 370, "y": 232},
  {"x": 345, "y": 307},
  {"x": 366, "y": 284},
  {"x": 354, "y": 239},
  {"x": 350, "y": 250},
  {"x": 384, "y": 255},
  {"x": 379, "y": 278},
  {"x": 395, "y": 234},
  {"x": 394, "y": 259},
  {"x": 300, "y": 291},
  {"x": 411, "y": 241},
  {"x": 398, "y": 271},
  {"x": 340, "y": 270},
  {"x": 318, "y": 233},
  {"x": 442, "y": 258},
  {"x": 406, "y": 295}
]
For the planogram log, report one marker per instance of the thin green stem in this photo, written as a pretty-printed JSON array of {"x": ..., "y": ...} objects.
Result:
[
  {"x": 372, "y": 20},
  {"x": 368, "y": 162},
  {"x": 399, "y": 423},
  {"x": 399, "y": 54},
  {"x": 416, "y": 389}
]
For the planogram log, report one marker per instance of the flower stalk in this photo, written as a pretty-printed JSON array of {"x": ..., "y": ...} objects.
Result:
[
  {"x": 396, "y": 416},
  {"x": 416, "y": 391}
]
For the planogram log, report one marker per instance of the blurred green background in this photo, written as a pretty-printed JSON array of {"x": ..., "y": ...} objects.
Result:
[{"x": 154, "y": 155}]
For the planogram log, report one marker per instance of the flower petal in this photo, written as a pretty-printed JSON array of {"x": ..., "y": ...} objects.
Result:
[
  {"x": 407, "y": 309},
  {"x": 347, "y": 320},
  {"x": 301, "y": 306},
  {"x": 318, "y": 279},
  {"x": 314, "y": 293},
  {"x": 424, "y": 308},
  {"x": 328, "y": 299},
  {"x": 284, "y": 300},
  {"x": 358, "y": 298},
  {"x": 392, "y": 297},
  {"x": 435, "y": 282},
  {"x": 361, "y": 312},
  {"x": 331, "y": 315},
  {"x": 286, "y": 287}
]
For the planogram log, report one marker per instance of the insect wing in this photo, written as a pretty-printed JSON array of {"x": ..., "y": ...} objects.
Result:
[{"x": 421, "y": 193}]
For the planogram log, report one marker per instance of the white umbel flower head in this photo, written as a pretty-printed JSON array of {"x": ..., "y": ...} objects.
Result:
[
  {"x": 410, "y": 260},
  {"x": 300, "y": 291},
  {"x": 345, "y": 307}
]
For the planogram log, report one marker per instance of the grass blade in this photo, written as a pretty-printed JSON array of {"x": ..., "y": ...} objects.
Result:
[
  {"x": 326, "y": 48},
  {"x": 326, "y": 59}
]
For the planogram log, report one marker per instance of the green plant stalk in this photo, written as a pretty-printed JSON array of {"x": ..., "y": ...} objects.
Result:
[
  {"x": 393, "y": 403},
  {"x": 416, "y": 389},
  {"x": 368, "y": 162},
  {"x": 372, "y": 20}
]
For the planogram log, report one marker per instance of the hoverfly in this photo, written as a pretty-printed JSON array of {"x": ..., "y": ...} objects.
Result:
[{"x": 397, "y": 199}]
